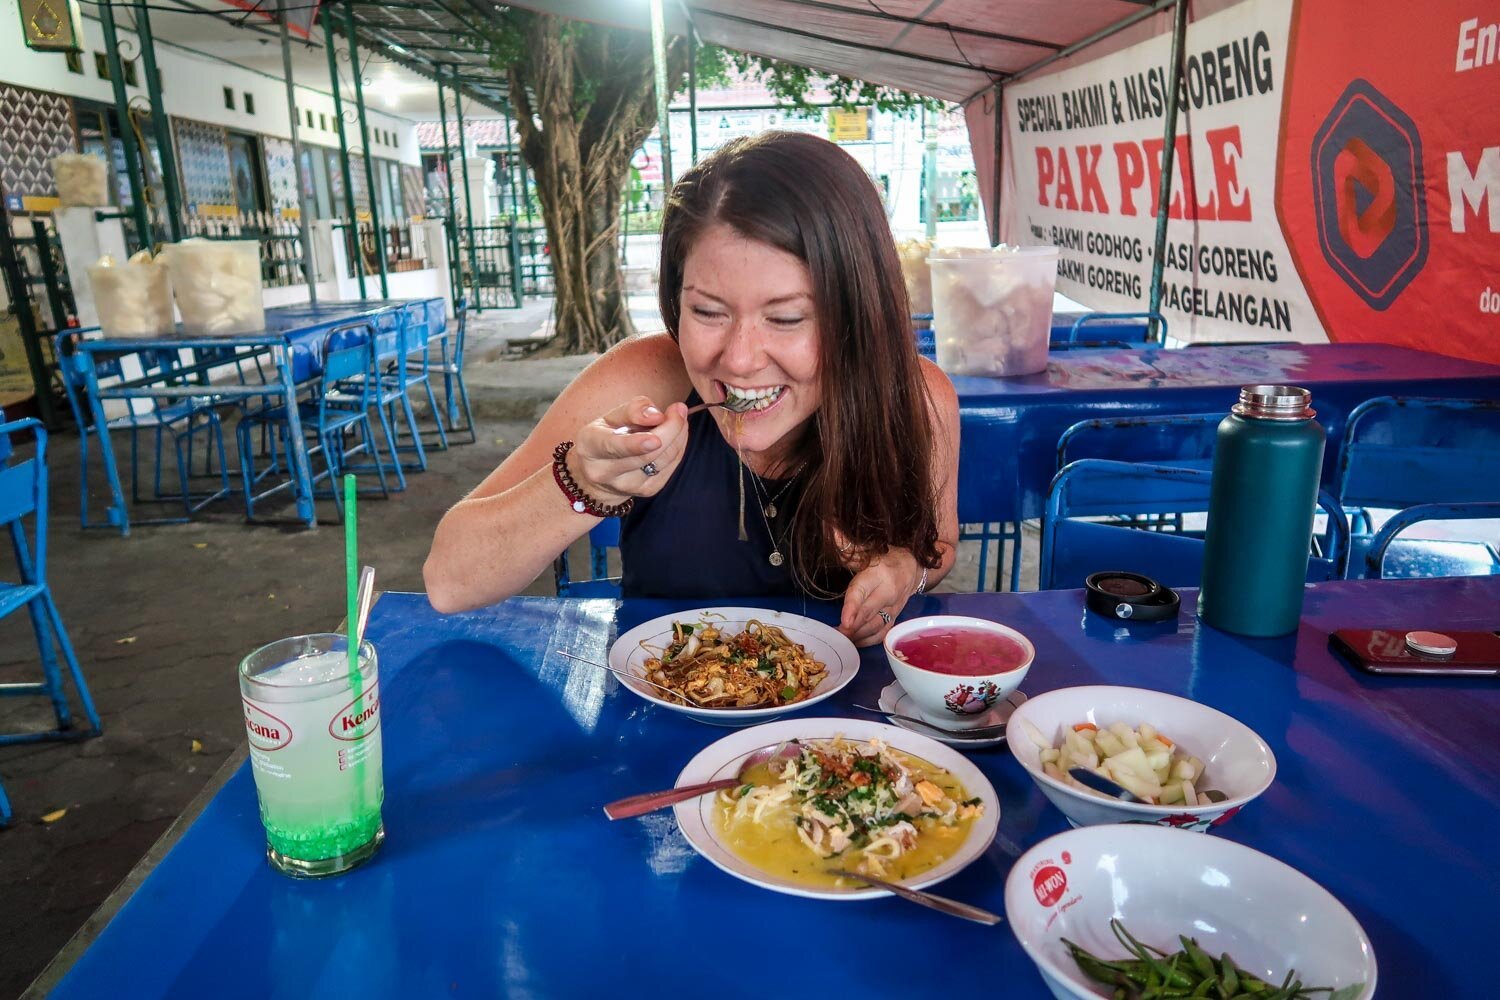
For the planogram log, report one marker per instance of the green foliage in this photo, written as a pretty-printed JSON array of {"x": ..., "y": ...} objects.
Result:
[{"x": 791, "y": 84}]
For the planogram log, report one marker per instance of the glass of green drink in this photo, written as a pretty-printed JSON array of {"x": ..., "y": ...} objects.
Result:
[{"x": 314, "y": 735}]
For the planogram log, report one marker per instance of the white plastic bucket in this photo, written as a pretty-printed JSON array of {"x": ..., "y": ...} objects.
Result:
[
  {"x": 992, "y": 309},
  {"x": 217, "y": 285}
]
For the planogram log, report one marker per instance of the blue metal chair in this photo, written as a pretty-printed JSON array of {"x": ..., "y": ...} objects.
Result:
[
  {"x": 23, "y": 496},
  {"x": 1401, "y": 452},
  {"x": 1185, "y": 441},
  {"x": 1090, "y": 488},
  {"x": 1110, "y": 330},
  {"x": 602, "y": 537},
  {"x": 179, "y": 418},
  {"x": 1383, "y": 555},
  {"x": 449, "y": 363},
  {"x": 347, "y": 392},
  {"x": 398, "y": 334}
]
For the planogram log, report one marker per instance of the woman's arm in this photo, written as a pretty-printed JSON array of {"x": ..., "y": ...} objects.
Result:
[
  {"x": 495, "y": 541},
  {"x": 889, "y": 580}
]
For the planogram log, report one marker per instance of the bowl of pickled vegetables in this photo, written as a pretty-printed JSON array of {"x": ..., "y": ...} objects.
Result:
[{"x": 1185, "y": 765}]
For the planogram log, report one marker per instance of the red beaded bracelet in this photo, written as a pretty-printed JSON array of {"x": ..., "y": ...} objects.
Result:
[{"x": 581, "y": 501}]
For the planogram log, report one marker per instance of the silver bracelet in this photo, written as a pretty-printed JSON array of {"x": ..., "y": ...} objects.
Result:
[{"x": 922, "y": 587}]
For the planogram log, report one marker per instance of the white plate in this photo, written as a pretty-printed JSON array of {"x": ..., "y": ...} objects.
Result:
[
  {"x": 822, "y": 642},
  {"x": 895, "y": 699},
  {"x": 724, "y": 759}
]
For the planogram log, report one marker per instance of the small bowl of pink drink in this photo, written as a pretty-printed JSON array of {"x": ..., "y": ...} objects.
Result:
[{"x": 956, "y": 668}]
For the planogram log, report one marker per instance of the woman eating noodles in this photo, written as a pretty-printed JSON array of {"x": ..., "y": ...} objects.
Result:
[{"x": 829, "y": 469}]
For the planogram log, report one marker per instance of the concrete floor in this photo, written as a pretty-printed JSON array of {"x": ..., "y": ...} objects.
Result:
[{"x": 160, "y": 621}]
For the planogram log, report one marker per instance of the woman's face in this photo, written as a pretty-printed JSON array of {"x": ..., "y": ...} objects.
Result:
[{"x": 749, "y": 330}]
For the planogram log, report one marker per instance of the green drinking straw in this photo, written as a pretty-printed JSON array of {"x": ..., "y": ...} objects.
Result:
[{"x": 351, "y": 579}]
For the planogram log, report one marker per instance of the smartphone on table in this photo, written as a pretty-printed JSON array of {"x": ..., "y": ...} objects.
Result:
[{"x": 1417, "y": 652}]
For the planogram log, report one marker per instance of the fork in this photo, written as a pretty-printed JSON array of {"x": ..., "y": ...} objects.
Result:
[{"x": 737, "y": 406}]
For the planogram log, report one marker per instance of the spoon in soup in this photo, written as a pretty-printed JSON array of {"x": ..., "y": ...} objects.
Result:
[{"x": 639, "y": 805}]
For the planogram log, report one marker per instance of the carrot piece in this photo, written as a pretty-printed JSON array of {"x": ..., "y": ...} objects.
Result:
[
  {"x": 1166, "y": 740},
  {"x": 1085, "y": 725}
]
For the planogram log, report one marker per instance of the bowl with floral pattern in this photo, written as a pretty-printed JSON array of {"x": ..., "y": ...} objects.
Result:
[{"x": 956, "y": 668}]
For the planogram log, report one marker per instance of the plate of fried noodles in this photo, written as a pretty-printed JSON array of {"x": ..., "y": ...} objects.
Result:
[{"x": 735, "y": 666}]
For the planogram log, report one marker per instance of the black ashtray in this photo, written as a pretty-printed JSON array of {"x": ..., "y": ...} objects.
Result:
[{"x": 1130, "y": 597}]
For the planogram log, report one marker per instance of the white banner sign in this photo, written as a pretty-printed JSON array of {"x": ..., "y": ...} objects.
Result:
[{"x": 1086, "y": 149}]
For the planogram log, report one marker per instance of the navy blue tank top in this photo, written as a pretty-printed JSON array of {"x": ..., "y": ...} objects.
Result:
[{"x": 684, "y": 541}]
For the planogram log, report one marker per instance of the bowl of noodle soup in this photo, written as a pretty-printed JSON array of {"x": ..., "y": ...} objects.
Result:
[
  {"x": 735, "y": 666},
  {"x": 765, "y": 836}
]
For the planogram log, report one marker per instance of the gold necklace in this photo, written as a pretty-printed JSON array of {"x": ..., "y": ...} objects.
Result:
[{"x": 775, "y": 558}]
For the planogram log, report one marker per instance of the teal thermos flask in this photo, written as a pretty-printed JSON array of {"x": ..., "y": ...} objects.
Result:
[{"x": 1267, "y": 463}]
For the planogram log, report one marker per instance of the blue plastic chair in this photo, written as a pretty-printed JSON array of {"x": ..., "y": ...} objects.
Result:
[
  {"x": 602, "y": 537},
  {"x": 346, "y": 394},
  {"x": 178, "y": 418},
  {"x": 1073, "y": 546},
  {"x": 449, "y": 363},
  {"x": 1401, "y": 452},
  {"x": 23, "y": 496}
]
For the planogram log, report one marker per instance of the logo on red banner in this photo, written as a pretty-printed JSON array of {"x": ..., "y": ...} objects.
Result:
[{"x": 1368, "y": 194}]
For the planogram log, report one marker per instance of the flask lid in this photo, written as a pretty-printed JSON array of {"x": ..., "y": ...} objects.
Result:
[{"x": 1275, "y": 402}]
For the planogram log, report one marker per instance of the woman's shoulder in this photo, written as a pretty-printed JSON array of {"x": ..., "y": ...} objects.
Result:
[
  {"x": 939, "y": 386},
  {"x": 647, "y": 365}
]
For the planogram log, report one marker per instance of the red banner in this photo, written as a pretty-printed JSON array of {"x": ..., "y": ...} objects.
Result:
[
  {"x": 1389, "y": 171},
  {"x": 299, "y": 13}
]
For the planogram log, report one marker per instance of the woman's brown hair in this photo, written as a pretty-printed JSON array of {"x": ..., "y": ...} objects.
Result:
[{"x": 869, "y": 450}]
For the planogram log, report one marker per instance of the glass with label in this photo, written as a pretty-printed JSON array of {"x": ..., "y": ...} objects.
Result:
[{"x": 314, "y": 734}]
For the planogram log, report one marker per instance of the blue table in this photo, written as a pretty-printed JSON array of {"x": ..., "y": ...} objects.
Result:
[
  {"x": 501, "y": 876},
  {"x": 1010, "y": 426},
  {"x": 293, "y": 340}
]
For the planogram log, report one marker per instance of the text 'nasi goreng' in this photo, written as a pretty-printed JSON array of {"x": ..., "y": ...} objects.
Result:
[{"x": 863, "y": 803}]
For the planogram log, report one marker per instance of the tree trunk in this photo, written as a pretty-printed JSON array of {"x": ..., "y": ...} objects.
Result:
[{"x": 578, "y": 134}]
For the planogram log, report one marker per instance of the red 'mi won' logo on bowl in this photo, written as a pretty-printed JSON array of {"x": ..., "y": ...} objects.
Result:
[
  {"x": 359, "y": 718},
  {"x": 266, "y": 731},
  {"x": 1049, "y": 884}
]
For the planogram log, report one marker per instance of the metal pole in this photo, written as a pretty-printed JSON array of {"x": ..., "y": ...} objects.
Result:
[
  {"x": 338, "y": 116},
  {"x": 511, "y": 154},
  {"x": 159, "y": 122},
  {"x": 693, "y": 94},
  {"x": 659, "y": 62},
  {"x": 20, "y": 306},
  {"x": 127, "y": 137},
  {"x": 463, "y": 153},
  {"x": 303, "y": 214},
  {"x": 999, "y": 135},
  {"x": 929, "y": 174},
  {"x": 364, "y": 142},
  {"x": 453, "y": 266},
  {"x": 1169, "y": 148}
]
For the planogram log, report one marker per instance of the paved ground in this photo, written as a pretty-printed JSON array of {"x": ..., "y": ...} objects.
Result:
[{"x": 160, "y": 620}]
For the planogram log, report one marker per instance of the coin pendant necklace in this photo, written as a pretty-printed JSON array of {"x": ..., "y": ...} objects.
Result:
[{"x": 767, "y": 511}]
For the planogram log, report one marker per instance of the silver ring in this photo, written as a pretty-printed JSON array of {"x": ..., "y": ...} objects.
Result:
[
  {"x": 885, "y": 616},
  {"x": 650, "y": 469}
]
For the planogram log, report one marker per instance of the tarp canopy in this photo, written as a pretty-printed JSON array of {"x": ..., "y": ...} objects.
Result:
[
  {"x": 949, "y": 49},
  {"x": 953, "y": 50}
]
